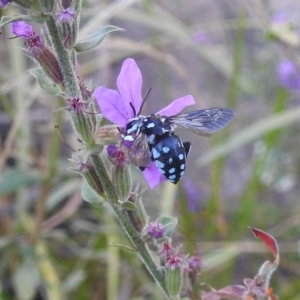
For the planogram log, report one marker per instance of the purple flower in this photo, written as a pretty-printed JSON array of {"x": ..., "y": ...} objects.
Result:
[
  {"x": 22, "y": 29},
  {"x": 116, "y": 106},
  {"x": 66, "y": 15},
  {"x": 156, "y": 230},
  {"x": 288, "y": 75},
  {"x": 4, "y": 3}
]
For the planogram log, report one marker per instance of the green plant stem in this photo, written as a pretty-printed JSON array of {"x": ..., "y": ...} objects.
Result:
[
  {"x": 72, "y": 90},
  {"x": 126, "y": 224},
  {"x": 64, "y": 59}
]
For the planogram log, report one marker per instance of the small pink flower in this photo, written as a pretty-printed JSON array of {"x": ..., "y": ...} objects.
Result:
[
  {"x": 175, "y": 261},
  {"x": 117, "y": 106},
  {"x": 166, "y": 250}
]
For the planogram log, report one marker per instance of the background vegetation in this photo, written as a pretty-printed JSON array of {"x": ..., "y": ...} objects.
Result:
[{"x": 224, "y": 53}]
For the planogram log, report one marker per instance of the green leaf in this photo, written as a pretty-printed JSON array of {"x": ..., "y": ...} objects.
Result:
[
  {"x": 128, "y": 205},
  {"x": 95, "y": 38},
  {"x": 89, "y": 195},
  {"x": 45, "y": 83},
  {"x": 12, "y": 180},
  {"x": 169, "y": 223},
  {"x": 26, "y": 280},
  {"x": 27, "y": 18}
]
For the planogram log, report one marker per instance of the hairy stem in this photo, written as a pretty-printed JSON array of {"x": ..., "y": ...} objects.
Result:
[
  {"x": 72, "y": 90},
  {"x": 64, "y": 59},
  {"x": 126, "y": 224}
]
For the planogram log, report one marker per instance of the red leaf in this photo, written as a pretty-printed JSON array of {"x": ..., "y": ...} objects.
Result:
[{"x": 268, "y": 240}]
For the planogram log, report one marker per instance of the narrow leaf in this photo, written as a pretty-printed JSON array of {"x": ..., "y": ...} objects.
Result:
[
  {"x": 26, "y": 280},
  {"x": 89, "y": 195},
  {"x": 45, "y": 83},
  {"x": 95, "y": 38},
  {"x": 10, "y": 19},
  {"x": 267, "y": 239},
  {"x": 12, "y": 180}
]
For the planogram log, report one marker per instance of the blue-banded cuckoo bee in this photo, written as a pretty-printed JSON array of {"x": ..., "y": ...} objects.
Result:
[{"x": 153, "y": 138}]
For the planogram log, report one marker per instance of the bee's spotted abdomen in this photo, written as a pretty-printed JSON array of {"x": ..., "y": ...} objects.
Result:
[{"x": 169, "y": 155}]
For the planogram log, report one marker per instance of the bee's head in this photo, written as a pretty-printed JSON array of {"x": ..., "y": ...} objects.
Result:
[{"x": 133, "y": 128}]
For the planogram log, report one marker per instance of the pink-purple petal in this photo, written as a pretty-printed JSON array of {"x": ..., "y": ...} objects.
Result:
[
  {"x": 130, "y": 86},
  {"x": 21, "y": 28},
  {"x": 153, "y": 176},
  {"x": 177, "y": 106},
  {"x": 112, "y": 105}
]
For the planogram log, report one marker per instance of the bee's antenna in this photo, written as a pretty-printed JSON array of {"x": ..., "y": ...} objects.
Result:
[
  {"x": 144, "y": 100},
  {"x": 133, "y": 109}
]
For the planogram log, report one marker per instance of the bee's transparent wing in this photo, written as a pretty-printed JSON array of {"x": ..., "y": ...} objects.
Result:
[
  {"x": 203, "y": 122},
  {"x": 139, "y": 152}
]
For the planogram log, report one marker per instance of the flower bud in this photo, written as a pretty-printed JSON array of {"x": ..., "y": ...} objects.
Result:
[
  {"x": 174, "y": 280},
  {"x": 138, "y": 216},
  {"x": 122, "y": 181},
  {"x": 86, "y": 93},
  {"x": 66, "y": 3},
  {"x": 68, "y": 27},
  {"x": 88, "y": 172},
  {"x": 39, "y": 51},
  {"x": 108, "y": 134},
  {"x": 49, "y": 64},
  {"x": 82, "y": 121}
]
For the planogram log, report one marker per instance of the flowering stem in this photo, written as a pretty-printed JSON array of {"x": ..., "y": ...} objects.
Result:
[
  {"x": 72, "y": 90},
  {"x": 126, "y": 224}
]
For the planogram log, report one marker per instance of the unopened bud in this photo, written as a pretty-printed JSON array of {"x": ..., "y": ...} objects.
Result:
[
  {"x": 174, "y": 279},
  {"x": 49, "y": 64},
  {"x": 122, "y": 181},
  {"x": 88, "y": 172},
  {"x": 66, "y": 3},
  {"x": 82, "y": 121},
  {"x": 106, "y": 135},
  {"x": 138, "y": 217},
  {"x": 86, "y": 93},
  {"x": 68, "y": 27}
]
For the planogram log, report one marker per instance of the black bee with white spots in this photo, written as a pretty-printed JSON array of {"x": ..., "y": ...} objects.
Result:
[{"x": 153, "y": 138}]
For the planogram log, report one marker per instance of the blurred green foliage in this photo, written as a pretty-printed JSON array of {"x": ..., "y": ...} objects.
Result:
[{"x": 54, "y": 245}]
